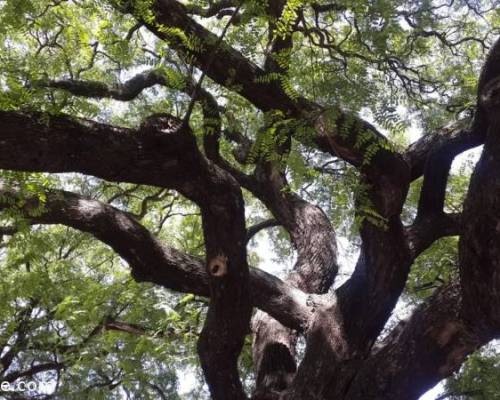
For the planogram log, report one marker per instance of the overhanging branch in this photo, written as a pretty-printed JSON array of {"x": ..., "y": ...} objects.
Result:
[
  {"x": 451, "y": 140},
  {"x": 242, "y": 72},
  {"x": 123, "y": 92},
  {"x": 152, "y": 261},
  {"x": 254, "y": 229}
]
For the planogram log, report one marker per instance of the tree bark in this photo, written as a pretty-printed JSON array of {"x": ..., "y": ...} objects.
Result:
[{"x": 341, "y": 328}]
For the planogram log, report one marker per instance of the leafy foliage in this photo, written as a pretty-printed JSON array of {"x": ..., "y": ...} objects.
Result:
[{"x": 66, "y": 299}]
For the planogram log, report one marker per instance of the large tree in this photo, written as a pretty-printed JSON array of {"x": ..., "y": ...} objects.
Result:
[{"x": 242, "y": 116}]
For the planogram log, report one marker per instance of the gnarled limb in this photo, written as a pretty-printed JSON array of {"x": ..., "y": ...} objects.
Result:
[
  {"x": 314, "y": 239},
  {"x": 64, "y": 145},
  {"x": 152, "y": 261},
  {"x": 431, "y": 345},
  {"x": 448, "y": 141},
  {"x": 365, "y": 302},
  {"x": 431, "y": 221},
  {"x": 148, "y": 155}
]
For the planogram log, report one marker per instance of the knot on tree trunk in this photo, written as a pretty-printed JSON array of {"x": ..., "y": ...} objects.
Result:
[{"x": 217, "y": 266}]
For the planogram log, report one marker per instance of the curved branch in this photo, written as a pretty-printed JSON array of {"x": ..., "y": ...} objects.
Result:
[
  {"x": 165, "y": 145},
  {"x": 314, "y": 238},
  {"x": 433, "y": 192},
  {"x": 152, "y": 261},
  {"x": 422, "y": 234},
  {"x": 254, "y": 229},
  {"x": 451, "y": 141},
  {"x": 431, "y": 222},
  {"x": 148, "y": 155},
  {"x": 158, "y": 153},
  {"x": 241, "y": 72},
  {"x": 36, "y": 369},
  {"x": 432, "y": 344},
  {"x": 124, "y": 92}
]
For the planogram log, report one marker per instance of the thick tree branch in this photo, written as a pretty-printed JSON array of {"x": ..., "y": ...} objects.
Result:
[
  {"x": 40, "y": 142},
  {"x": 166, "y": 146},
  {"x": 446, "y": 142},
  {"x": 380, "y": 274},
  {"x": 433, "y": 192},
  {"x": 126, "y": 91},
  {"x": 157, "y": 153},
  {"x": 479, "y": 249},
  {"x": 338, "y": 132},
  {"x": 314, "y": 239},
  {"x": 422, "y": 234},
  {"x": 242, "y": 72},
  {"x": 151, "y": 261},
  {"x": 432, "y": 344}
]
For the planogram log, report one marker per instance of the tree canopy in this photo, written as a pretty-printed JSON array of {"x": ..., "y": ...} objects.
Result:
[{"x": 155, "y": 153}]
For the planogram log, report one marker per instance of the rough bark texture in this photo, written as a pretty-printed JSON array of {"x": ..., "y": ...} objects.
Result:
[
  {"x": 480, "y": 242},
  {"x": 428, "y": 347},
  {"x": 340, "y": 327}
]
